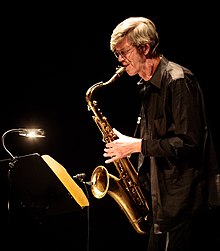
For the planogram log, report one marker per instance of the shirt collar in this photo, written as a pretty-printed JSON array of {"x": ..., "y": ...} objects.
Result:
[{"x": 157, "y": 76}]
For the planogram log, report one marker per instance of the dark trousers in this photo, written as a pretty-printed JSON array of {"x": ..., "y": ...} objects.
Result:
[{"x": 200, "y": 233}]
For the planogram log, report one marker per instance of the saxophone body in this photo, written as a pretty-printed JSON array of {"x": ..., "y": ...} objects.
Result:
[{"x": 125, "y": 189}]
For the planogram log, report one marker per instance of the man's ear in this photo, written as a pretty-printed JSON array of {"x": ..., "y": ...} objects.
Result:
[{"x": 146, "y": 49}]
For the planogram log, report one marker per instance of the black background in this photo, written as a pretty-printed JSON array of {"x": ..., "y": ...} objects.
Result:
[{"x": 51, "y": 54}]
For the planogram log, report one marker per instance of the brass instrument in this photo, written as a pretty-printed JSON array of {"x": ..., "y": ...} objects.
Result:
[{"x": 125, "y": 190}]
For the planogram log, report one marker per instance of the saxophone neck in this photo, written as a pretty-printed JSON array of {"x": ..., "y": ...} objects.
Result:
[
  {"x": 90, "y": 92},
  {"x": 118, "y": 73}
]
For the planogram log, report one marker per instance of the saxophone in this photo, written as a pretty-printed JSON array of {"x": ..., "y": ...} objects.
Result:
[{"x": 126, "y": 189}]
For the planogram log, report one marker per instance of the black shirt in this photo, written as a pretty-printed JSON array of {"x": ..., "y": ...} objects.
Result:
[{"x": 177, "y": 143}]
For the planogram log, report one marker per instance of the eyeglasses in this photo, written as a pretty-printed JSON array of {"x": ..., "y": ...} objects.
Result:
[{"x": 123, "y": 53}]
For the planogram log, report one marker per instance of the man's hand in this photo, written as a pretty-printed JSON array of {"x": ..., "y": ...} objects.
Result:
[{"x": 122, "y": 147}]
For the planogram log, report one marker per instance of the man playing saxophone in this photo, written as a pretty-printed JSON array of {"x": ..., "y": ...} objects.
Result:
[{"x": 177, "y": 160}]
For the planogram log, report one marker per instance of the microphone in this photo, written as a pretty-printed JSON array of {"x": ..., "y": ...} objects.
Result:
[{"x": 79, "y": 176}]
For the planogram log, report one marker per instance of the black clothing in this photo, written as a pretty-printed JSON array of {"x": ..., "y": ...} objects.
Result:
[
  {"x": 196, "y": 233},
  {"x": 180, "y": 166}
]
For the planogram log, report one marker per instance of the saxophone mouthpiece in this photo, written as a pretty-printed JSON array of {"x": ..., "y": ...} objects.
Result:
[{"x": 120, "y": 70}]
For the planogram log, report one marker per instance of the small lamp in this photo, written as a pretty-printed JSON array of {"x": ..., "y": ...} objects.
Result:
[{"x": 25, "y": 132}]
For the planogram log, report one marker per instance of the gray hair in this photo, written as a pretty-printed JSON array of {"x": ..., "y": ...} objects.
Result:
[{"x": 139, "y": 31}]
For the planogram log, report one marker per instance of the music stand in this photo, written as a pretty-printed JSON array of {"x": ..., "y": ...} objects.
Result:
[{"x": 43, "y": 186}]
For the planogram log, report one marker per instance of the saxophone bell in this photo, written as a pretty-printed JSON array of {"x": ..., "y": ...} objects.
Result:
[
  {"x": 105, "y": 183},
  {"x": 100, "y": 182}
]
